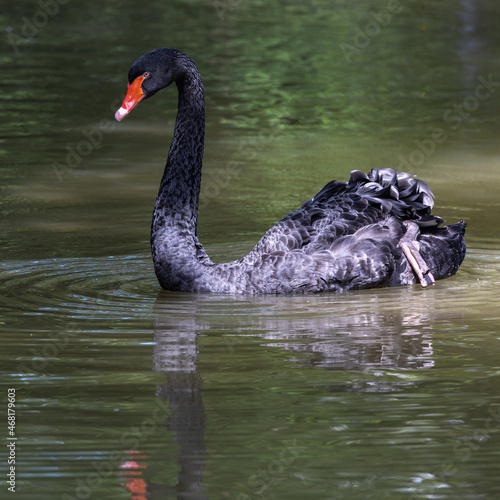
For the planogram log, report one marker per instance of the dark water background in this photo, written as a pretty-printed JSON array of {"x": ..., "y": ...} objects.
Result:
[{"x": 124, "y": 391}]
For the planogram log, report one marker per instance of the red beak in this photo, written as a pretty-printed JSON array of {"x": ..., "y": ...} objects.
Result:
[{"x": 134, "y": 96}]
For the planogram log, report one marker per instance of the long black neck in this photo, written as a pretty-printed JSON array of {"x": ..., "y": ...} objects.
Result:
[
  {"x": 180, "y": 185},
  {"x": 173, "y": 233}
]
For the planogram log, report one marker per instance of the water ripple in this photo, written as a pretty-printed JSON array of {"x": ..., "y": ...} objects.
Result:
[{"x": 82, "y": 287}]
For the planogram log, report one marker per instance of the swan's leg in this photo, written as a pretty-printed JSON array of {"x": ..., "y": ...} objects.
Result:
[{"x": 411, "y": 249}]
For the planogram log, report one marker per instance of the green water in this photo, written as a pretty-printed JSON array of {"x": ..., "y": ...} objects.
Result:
[{"x": 125, "y": 391}]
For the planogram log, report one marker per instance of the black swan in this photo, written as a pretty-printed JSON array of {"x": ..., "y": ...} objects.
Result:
[{"x": 376, "y": 230}]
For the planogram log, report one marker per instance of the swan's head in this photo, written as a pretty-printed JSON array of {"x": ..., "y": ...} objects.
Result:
[{"x": 149, "y": 74}]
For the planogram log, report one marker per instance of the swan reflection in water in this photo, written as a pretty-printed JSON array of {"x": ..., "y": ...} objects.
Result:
[{"x": 380, "y": 335}]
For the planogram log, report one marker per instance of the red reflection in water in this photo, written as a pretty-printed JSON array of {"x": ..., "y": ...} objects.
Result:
[{"x": 137, "y": 486}]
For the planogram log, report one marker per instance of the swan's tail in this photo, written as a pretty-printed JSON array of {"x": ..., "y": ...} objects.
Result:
[
  {"x": 395, "y": 192},
  {"x": 398, "y": 192}
]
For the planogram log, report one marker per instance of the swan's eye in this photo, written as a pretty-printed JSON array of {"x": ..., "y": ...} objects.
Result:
[{"x": 146, "y": 74}]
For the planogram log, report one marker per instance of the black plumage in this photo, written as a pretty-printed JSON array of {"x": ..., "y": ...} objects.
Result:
[{"x": 346, "y": 237}]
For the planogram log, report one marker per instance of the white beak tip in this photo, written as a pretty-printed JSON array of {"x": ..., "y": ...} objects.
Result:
[{"x": 120, "y": 114}]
